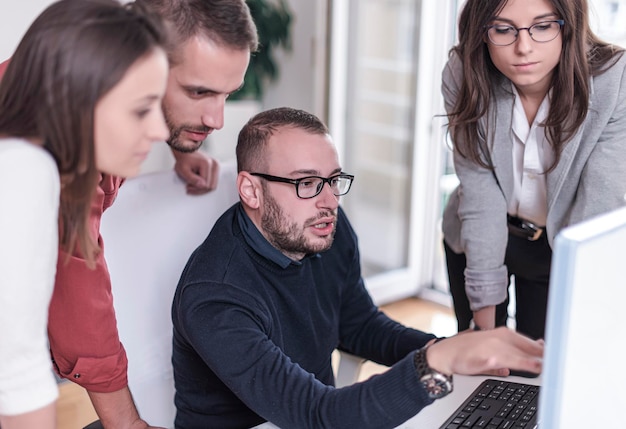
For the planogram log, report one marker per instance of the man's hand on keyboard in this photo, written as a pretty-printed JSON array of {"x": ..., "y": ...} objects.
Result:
[{"x": 490, "y": 352}]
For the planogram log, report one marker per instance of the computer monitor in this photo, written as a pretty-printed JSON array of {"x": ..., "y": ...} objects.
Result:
[{"x": 584, "y": 378}]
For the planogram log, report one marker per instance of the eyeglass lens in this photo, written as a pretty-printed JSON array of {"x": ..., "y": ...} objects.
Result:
[
  {"x": 502, "y": 34},
  {"x": 311, "y": 186}
]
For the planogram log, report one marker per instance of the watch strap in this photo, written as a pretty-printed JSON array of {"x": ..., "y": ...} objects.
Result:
[{"x": 436, "y": 383}]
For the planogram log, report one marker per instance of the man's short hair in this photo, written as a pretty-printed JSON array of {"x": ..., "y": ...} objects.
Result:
[
  {"x": 254, "y": 136},
  {"x": 227, "y": 23}
]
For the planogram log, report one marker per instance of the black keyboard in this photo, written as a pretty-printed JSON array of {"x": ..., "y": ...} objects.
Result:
[{"x": 497, "y": 404}]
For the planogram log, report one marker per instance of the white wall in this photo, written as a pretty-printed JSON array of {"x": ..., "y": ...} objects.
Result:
[
  {"x": 15, "y": 18},
  {"x": 302, "y": 71}
]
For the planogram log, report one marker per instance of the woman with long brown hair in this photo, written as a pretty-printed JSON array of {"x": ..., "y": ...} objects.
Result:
[
  {"x": 537, "y": 114},
  {"x": 81, "y": 96}
]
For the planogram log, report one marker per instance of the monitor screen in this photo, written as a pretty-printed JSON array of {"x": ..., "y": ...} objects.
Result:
[{"x": 584, "y": 383}]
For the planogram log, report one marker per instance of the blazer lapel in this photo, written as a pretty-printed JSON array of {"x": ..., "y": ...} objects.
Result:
[
  {"x": 557, "y": 177},
  {"x": 501, "y": 143}
]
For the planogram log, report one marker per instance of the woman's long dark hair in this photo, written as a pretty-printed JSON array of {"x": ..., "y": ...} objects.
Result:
[
  {"x": 583, "y": 55},
  {"x": 71, "y": 56}
]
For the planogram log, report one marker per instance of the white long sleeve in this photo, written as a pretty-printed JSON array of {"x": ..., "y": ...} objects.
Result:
[{"x": 29, "y": 202}]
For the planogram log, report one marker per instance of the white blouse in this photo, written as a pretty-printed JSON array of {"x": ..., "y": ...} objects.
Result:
[
  {"x": 532, "y": 156},
  {"x": 29, "y": 202}
]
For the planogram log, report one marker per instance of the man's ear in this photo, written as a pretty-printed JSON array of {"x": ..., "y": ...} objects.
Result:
[{"x": 249, "y": 190}]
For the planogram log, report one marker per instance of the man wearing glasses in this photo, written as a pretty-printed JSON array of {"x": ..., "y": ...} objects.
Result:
[{"x": 277, "y": 286}]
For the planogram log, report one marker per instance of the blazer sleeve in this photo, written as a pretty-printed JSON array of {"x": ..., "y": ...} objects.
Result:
[
  {"x": 475, "y": 219},
  {"x": 602, "y": 185}
]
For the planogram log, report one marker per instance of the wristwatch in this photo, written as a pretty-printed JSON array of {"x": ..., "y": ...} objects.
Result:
[{"x": 436, "y": 383}]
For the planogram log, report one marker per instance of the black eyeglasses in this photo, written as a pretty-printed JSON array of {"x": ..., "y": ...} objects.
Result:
[
  {"x": 311, "y": 186},
  {"x": 542, "y": 32}
]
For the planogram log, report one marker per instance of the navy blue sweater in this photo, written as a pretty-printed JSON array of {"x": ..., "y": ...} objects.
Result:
[{"x": 253, "y": 337}]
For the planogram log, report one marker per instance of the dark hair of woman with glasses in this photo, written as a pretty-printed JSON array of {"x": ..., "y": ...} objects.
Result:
[{"x": 536, "y": 108}]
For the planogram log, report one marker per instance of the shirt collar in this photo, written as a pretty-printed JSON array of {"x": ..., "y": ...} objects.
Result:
[
  {"x": 259, "y": 243},
  {"x": 520, "y": 124}
]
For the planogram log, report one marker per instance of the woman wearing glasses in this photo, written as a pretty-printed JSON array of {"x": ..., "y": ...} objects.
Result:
[{"x": 536, "y": 105}]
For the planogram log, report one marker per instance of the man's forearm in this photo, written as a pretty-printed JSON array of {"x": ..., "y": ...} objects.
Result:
[{"x": 117, "y": 410}]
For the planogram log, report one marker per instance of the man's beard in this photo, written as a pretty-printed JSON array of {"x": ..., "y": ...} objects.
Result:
[
  {"x": 288, "y": 237},
  {"x": 175, "y": 132}
]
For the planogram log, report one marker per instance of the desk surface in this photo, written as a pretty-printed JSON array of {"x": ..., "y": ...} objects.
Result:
[{"x": 435, "y": 414}]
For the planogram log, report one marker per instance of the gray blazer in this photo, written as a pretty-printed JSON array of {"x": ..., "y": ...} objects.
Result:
[{"x": 590, "y": 179}]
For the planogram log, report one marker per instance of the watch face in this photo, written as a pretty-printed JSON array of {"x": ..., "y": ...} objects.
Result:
[{"x": 437, "y": 385}]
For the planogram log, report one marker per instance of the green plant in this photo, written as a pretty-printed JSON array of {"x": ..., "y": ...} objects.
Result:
[{"x": 273, "y": 21}]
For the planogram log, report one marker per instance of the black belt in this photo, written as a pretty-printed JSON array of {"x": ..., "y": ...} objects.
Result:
[{"x": 524, "y": 228}]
